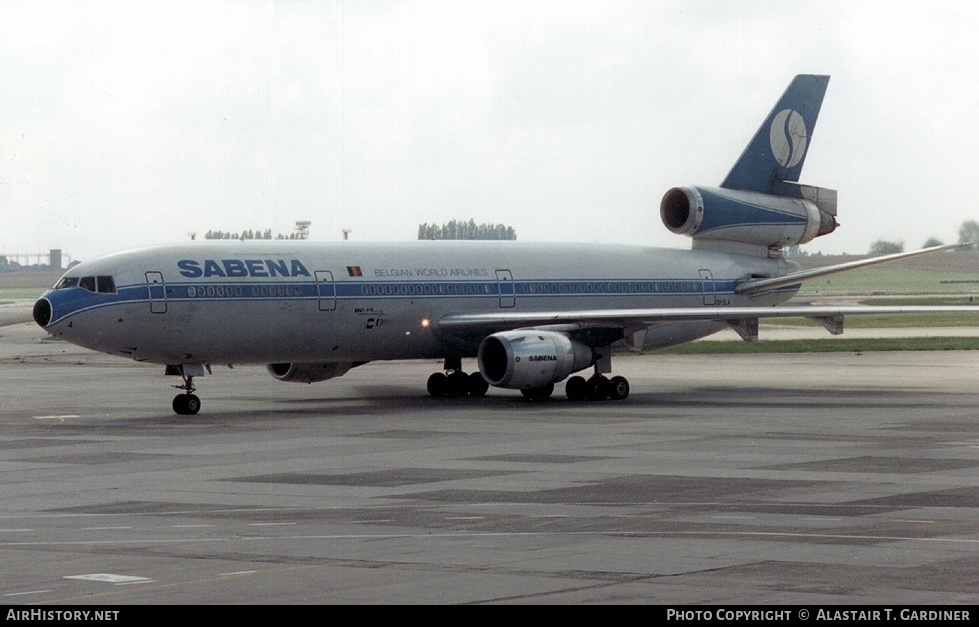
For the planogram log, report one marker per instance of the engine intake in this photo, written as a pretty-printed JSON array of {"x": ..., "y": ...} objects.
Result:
[
  {"x": 768, "y": 220},
  {"x": 308, "y": 373},
  {"x": 530, "y": 359}
]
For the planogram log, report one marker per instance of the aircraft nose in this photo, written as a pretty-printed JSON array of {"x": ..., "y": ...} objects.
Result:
[{"x": 42, "y": 312}]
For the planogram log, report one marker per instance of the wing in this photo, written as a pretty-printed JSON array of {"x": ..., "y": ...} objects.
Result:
[
  {"x": 759, "y": 286},
  {"x": 744, "y": 320},
  {"x": 613, "y": 324}
]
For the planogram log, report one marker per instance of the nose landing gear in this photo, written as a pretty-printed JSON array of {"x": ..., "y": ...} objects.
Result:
[{"x": 186, "y": 404}]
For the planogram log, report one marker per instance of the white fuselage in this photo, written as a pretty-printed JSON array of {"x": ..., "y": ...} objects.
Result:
[{"x": 274, "y": 301}]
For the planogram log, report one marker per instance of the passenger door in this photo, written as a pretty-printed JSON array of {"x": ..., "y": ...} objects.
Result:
[
  {"x": 326, "y": 289},
  {"x": 157, "y": 292},
  {"x": 707, "y": 280},
  {"x": 504, "y": 282}
]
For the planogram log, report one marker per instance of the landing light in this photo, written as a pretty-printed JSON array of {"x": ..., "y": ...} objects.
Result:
[{"x": 425, "y": 323}]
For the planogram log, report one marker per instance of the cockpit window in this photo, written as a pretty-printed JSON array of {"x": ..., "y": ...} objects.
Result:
[
  {"x": 106, "y": 285},
  {"x": 101, "y": 284}
]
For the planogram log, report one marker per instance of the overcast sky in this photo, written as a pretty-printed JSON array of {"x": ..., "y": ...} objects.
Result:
[{"x": 131, "y": 123}]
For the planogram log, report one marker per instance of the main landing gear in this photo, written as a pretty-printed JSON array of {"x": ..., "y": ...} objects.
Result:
[
  {"x": 456, "y": 383},
  {"x": 597, "y": 388}
]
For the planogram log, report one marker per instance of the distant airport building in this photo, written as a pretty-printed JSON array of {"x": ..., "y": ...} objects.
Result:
[{"x": 52, "y": 259}]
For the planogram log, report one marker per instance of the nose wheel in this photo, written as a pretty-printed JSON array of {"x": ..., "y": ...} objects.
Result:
[{"x": 186, "y": 404}]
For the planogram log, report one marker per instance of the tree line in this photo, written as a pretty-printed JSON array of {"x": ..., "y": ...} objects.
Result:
[
  {"x": 248, "y": 234},
  {"x": 456, "y": 229},
  {"x": 968, "y": 234}
]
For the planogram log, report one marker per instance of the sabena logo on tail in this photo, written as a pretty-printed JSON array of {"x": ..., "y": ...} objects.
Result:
[{"x": 788, "y": 136}]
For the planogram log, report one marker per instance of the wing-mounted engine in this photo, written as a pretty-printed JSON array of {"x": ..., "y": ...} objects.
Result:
[
  {"x": 714, "y": 217},
  {"x": 525, "y": 359},
  {"x": 308, "y": 373}
]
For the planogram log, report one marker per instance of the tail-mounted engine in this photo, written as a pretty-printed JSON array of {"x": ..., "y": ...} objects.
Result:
[
  {"x": 530, "y": 359},
  {"x": 308, "y": 373},
  {"x": 768, "y": 220}
]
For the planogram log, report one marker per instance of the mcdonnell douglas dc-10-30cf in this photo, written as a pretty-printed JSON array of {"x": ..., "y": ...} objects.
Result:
[{"x": 532, "y": 314}]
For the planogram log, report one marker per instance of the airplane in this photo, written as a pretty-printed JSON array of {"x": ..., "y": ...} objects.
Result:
[{"x": 532, "y": 314}]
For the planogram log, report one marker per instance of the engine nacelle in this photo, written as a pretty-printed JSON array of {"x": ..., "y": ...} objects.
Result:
[
  {"x": 768, "y": 220},
  {"x": 530, "y": 359},
  {"x": 308, "y": 373}
]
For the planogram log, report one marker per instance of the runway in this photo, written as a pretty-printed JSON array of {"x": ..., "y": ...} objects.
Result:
[{"x": 773, "y": 479}]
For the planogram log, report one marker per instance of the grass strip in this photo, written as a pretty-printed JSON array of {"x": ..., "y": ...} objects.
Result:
[{"x": 842, "y": 345}]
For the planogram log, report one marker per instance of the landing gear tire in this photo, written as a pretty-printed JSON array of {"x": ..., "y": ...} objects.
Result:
[
  {"x": 438, "y": 385},
  {"x": 538, "y": 394},
  {"x": 618, "y": 388},
  {"x": 458, "y": 384},
  {"x": 576, "y": 388},
  {"x": 597, "y": 388},
  {"x": 477, "y": 385},
  {"x": 186, "y": 404}
]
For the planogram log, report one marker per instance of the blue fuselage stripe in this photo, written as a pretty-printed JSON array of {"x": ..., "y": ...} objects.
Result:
[{"x": 71, "y": 301}]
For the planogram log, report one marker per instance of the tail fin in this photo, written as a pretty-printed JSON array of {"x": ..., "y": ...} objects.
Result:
[{"x": 778, "y": 149}]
